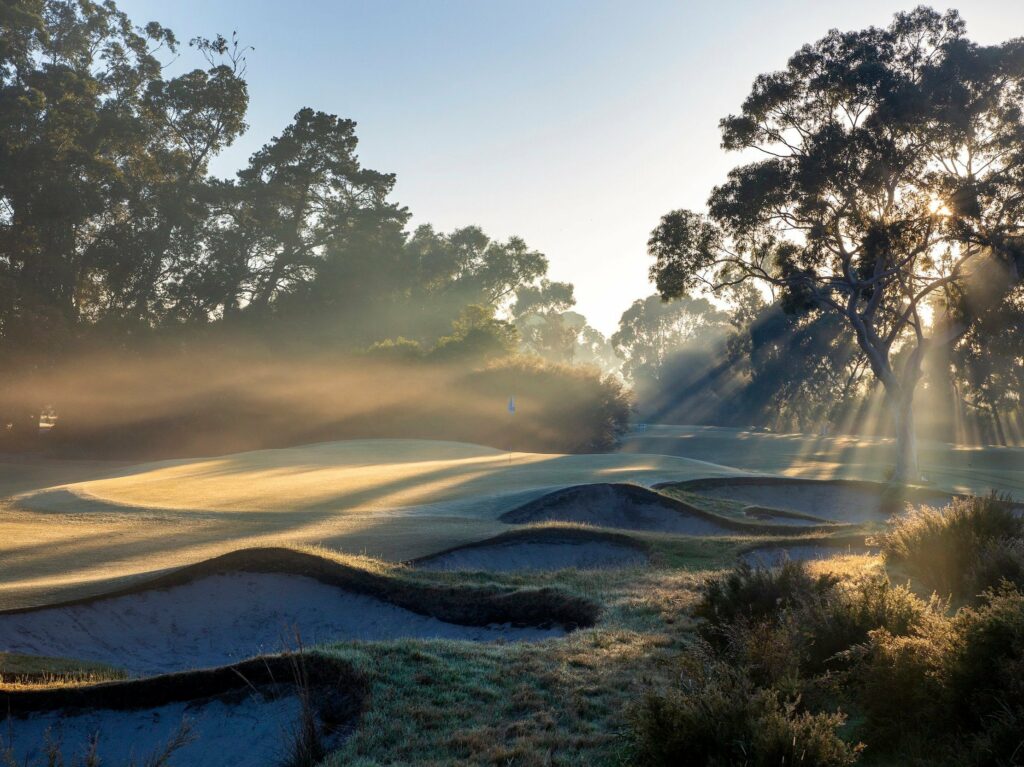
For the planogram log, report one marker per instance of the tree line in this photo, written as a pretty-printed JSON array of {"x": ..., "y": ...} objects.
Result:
[{"x": 114, "y": 235}]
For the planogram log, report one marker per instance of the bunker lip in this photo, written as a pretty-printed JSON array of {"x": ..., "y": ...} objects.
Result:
[
  {"x": 914, "y": 493},
  {"x": 768, "y": 512},
  {"x": 251, "y": 709},
  {"x": 623, "y": 550},
  {"x": 632, "y": 507},
  {"x": 464, "y": 606},
  {"x": 839, "y": 500},
  {"x": 340, "y": 689}
]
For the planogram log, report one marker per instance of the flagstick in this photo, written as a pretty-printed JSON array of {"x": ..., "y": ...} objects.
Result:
[{"x": 511, "y": 414}]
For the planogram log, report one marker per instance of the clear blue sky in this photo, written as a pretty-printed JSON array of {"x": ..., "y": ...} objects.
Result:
[{"x": 572, "y": 123}]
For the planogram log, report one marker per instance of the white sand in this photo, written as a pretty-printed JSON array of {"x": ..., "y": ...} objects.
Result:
[
  {"x": 252, "y": 732},
  {"x": 620, "y": 506},
  {"x": 222, "y": 619},
  {"x": 525, "y": 556}
]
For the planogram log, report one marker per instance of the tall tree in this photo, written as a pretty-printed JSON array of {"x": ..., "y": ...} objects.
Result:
[
  {"x": 102, "y": 168},
  {"x": 651, "y": 330},
  {"x": 889, "y": 189}
]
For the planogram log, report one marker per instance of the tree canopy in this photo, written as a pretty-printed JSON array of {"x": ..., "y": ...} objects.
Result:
[{"x": 888, "y": 192}]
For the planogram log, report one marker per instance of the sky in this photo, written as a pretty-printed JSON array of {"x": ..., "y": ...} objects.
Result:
[{"x": 574, "y": 124}]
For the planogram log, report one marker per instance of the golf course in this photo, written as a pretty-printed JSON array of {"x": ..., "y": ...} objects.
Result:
[
  {"x": 508, "y": 384},
  {"x": 428, "y": 568}
]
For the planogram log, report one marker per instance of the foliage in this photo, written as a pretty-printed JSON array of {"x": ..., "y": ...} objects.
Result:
[
  {"x": 854, "y": 208},
  {"x": 717, "y": 716},
  {"x": 476, "y": 335},
  {"x": 753, "y": 593},
  {"x": 548, "y": 329},
  {"x": 957, "y": 550},
  {"x": 954, "y": 686},
  {"x": 848, "y": 614},
  {"x": 200, "y": 402},
  {"x": 652, "y": 330}
]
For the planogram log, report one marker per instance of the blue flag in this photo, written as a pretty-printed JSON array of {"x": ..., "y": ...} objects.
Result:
[{"x": 511, "y": 404}]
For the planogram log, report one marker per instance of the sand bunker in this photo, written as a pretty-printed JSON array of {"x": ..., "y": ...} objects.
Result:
[
  {"x": 251, "y": 733},
  {"x": 835, "y": 500},
  {"x": 232, "y": 717},
  {"x": 223, "y": 618},
  {"x": 540, "y": 551},
  {"x": 628, "y": 507}
]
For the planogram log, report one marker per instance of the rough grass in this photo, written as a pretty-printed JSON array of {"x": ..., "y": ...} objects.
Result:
[
  {"x": 554, "y": 702},
  {"x": 19, "y": 671}
]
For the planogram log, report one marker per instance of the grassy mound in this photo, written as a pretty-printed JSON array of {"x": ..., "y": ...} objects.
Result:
[
  {"x": 836, "y": 500},
  {"x": 540, "y": 549},
  {"x": 631, "y": 507},
  {"x": 304, "y": 705},
  {"x": 476, "y": 606}
]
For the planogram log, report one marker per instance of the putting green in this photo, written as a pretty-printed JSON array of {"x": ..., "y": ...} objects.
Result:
[{"x": 393, "y": 499}]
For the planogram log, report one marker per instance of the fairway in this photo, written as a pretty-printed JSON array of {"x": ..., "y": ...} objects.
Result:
[
  {"x": 953, "y": 468},
  {"x": 391, "y": 499}
]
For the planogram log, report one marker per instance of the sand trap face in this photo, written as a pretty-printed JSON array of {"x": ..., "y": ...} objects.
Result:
[
  {"x": 536, "y": 556},
  {"x": 251, "y": 730},
  {"x": 221, "y": 619},
  {"x": 835, "y": 501},
  {"x": 623, "y": 506}
]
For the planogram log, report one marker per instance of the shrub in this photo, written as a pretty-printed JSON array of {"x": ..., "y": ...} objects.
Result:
[
  {"x": 945, "y": 548},
  {"x": 955, "y": 687},
  {"x": 719, "y": 717},
  {"x": 228, "y": 400},
  {"x": 846, "y": 615},
  {"x": 985, "y": 669},
  {"x": 770, "y": 649},
  {"x": 753, "y": 593},
  {"x": 901, "y": 690},
  {"x": 998, "y": 561}
]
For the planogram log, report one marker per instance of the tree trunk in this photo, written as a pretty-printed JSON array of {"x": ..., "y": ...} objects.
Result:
[{"x": 906, "y": 469}]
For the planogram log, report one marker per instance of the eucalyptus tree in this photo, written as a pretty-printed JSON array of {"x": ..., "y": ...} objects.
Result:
[{"x": 887, "y": 188}]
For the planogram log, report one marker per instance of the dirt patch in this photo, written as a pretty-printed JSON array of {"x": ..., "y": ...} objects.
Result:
[
  {"x": 631, "y": 507},
  {"x": 835, "y": 500},
  {"x": 540, "y": 550},
  {"x": 260, "y": 600},
  {"x": 242, "y": 715}
]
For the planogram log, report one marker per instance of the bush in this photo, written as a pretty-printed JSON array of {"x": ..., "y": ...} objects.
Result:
[
  {"x": 955, "y": 686},
  {"x": 946, "y": 548},
  {"x": 752, "y": 593},
  {"x": 228, "y": 400},
  {"x": 719, "y": 717},
  {"x": 901, "y": 690},
  {"x": 999, "y": 561},
  {"x": 985, "y": 669},
  {"x": 846, "y": 615}
]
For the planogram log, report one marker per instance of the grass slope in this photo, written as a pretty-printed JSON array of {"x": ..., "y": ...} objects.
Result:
[{"x": 392, "y": 499}]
